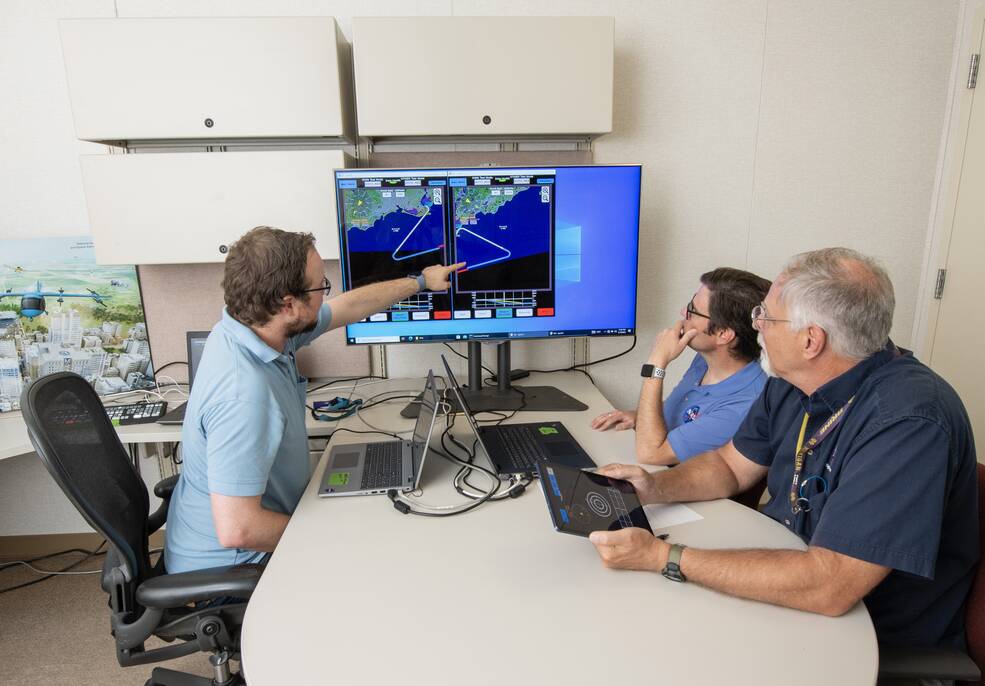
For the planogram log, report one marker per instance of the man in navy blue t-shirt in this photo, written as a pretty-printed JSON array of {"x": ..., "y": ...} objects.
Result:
[{"x": 870, "y": 460}]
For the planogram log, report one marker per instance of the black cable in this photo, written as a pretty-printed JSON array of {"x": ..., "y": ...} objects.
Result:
[
  {"x": 160, "y": 369},
  {"x": 335, "y": 381},
  {"x": 466, "y": 357},
  {"x": 90, "y": 553},
  {"x": 13, "y": 563},
  {"x": 577, "y": 367},
  {"x": 354, "y": 431}
]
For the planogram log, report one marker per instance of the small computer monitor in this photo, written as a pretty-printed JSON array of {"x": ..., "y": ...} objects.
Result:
[
  {"x": 195, "y": 340},
  {"x": 549, "y": 251}
]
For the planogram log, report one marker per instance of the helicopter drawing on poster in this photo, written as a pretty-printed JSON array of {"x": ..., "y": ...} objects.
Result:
[{"x": 60, "y": 311}]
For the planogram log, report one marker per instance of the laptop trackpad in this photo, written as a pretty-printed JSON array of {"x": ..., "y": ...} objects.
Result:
[
  {"x": 560, "y": 448},
  {"x": 346, "y": 460}
]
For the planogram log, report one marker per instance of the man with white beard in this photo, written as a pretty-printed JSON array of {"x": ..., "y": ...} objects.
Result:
[{"x": 869, "y": 457}]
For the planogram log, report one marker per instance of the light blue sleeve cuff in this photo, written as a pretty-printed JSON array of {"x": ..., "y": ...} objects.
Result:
[{"x": 244, "y": 489}]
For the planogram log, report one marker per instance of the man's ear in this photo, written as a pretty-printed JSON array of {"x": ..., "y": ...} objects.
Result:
[
  {"x": 288, "y": 303},
  {"x": 814, "y": 340},
  {"x": 725, "y": 336}
]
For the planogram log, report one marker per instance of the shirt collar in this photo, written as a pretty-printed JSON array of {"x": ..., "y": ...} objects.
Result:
[
  {"x": 732, "y": 384},
  {"x": 836, "y": 393},
  {"x": 245, "y": 336}
]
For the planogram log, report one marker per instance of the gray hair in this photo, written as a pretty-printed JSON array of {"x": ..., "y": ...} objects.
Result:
[{"x": 846, "y": 293}]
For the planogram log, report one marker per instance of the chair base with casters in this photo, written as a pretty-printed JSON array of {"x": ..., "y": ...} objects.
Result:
[{"x": 79, "y": 447}]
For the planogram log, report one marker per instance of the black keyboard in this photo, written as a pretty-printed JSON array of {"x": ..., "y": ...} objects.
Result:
[
  {"x": 523, "y": 451},
  {"x": 137, "y": 413},
  {"x": 384, "y": 465}
]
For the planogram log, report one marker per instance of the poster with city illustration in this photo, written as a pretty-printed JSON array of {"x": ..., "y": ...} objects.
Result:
[{"x": 60, "y": 311}]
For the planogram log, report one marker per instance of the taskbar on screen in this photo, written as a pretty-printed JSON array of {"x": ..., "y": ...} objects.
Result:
[{"x": 494, "y": 336}]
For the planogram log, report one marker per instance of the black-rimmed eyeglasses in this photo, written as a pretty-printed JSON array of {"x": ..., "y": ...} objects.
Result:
[
  {"x": 689, "y": 312},
  {"x": 326, "y": 286}
]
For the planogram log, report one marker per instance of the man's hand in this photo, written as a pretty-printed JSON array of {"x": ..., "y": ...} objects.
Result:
[
  {"x": 620, "y": 420},
  {"x": 669, "y": 344},
  {"x": 436, "y": 277},
  {"x": 632, "y": 548},
  {"x": 642, "y": 480}
]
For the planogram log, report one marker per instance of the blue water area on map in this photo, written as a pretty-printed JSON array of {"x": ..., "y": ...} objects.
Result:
[
  {"x": 529, "y": 222},
  {"x": 389, "y": 231}
]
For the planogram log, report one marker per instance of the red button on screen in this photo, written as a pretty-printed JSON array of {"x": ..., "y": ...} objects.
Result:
[
  {"x": 545, "y": 311},
  {"x": 442, "y": 314}
]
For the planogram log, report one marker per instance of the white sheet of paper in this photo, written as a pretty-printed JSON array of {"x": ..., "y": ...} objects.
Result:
[{"x": 663, "y": 515}]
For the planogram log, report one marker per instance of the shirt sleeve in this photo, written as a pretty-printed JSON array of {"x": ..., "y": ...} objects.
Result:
[
  {"x": 752, "y": 438},
  {"x": 324, "y": 322},
  {"x": 888, "y": 507},
  {"x": 242, "y": 439},
  {"x": 708, "y": 431}
]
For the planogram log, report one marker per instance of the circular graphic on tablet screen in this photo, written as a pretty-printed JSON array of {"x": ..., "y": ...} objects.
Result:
[{"x": 599, "y": 504}]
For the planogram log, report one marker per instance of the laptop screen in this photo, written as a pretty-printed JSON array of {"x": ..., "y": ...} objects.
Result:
[
  {"x": 457, "y": 390},
  {"x": 425, "y": 424},
  {"x": 196, "y": 344}
]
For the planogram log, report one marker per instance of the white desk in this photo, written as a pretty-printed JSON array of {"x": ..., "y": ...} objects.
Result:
[
  {"x": 358, "y": 593},
  {"x": 14, "y": 440}
]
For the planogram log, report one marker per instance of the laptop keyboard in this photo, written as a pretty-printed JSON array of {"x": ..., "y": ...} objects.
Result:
[
  {"x": 523, "y": 451},
  {"x": 383, "y": 467}
]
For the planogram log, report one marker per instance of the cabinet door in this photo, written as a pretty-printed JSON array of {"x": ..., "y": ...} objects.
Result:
[
  {"x": 207, "y": 78},
  {"x": 483, "y": 75},
  {"x": 166, "y": 208}
]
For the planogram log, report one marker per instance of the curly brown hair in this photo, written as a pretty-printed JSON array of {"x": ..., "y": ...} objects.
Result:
[{"x": 262, "y": 267}]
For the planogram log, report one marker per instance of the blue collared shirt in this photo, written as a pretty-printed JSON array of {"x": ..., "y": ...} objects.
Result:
[
  {"x": 701, "y": 418},
  {"x": 899, "y": 486},
  {"x": 243, "y": 435}
]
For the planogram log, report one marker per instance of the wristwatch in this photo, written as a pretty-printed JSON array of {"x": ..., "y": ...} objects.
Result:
[
  {"x": 422, "y": 284},
  {"x": 650, "y": 371},
  {"x": 673, "y": 569}
]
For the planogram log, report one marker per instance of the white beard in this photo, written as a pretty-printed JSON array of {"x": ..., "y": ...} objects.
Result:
[{"x": 764, "y": 359}]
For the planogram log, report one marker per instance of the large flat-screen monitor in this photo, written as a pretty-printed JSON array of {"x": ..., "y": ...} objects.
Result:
[{"x": 549, "y": 250}]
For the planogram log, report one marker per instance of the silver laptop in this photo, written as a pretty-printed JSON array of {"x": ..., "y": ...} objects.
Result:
[{"x": 381, "y": 466}]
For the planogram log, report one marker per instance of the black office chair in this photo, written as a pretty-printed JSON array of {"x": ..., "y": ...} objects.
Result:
[{"x": 78, "y": 445}]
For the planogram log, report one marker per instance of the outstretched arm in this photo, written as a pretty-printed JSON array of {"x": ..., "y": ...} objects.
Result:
[{"x": 359, "y": 303}]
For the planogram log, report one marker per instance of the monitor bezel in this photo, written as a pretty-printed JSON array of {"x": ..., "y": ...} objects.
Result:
[{"x": 482, "y": 337}]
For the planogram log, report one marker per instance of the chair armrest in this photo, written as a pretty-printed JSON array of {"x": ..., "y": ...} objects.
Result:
[
  {"x": 175, "y": 590},
  {"x": 163, "y": 490},
  {"x": 926, "y": 663},
  {"x": 165, "y": 487}
]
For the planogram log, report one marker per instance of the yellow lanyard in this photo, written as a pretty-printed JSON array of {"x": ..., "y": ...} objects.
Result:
[
  {"x": 803, "y": 430},
  {"x": 813, "y": 442}
]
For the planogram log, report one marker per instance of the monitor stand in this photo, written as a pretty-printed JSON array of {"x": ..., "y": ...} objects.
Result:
[{"x": 503, "y": 397}]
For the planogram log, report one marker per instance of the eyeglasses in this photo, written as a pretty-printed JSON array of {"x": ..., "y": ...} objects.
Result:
[
  {"x": 326, "y": 286},
  {"x": 759, "y": 315},
  {"x": 689, "y": 312}
]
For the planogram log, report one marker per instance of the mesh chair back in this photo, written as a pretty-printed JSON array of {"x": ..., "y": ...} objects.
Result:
[
  {"x": 975, "y": 609},
  {"x": 80, "y": 449}
]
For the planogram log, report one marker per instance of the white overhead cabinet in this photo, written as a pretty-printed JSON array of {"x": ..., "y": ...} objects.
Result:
[
  {"x": 475, "y": 76},
  {"x": 208, "y": 78},
  {"x": 188, "y": 207}
]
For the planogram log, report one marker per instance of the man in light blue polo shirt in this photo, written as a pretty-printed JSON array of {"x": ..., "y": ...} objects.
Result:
[
  {"x": 245, "y": 448},
  {"x": 706, "y": 408}
]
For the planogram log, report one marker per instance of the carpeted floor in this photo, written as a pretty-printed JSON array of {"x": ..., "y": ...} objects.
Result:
[{"x": 57, "y": 632}]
